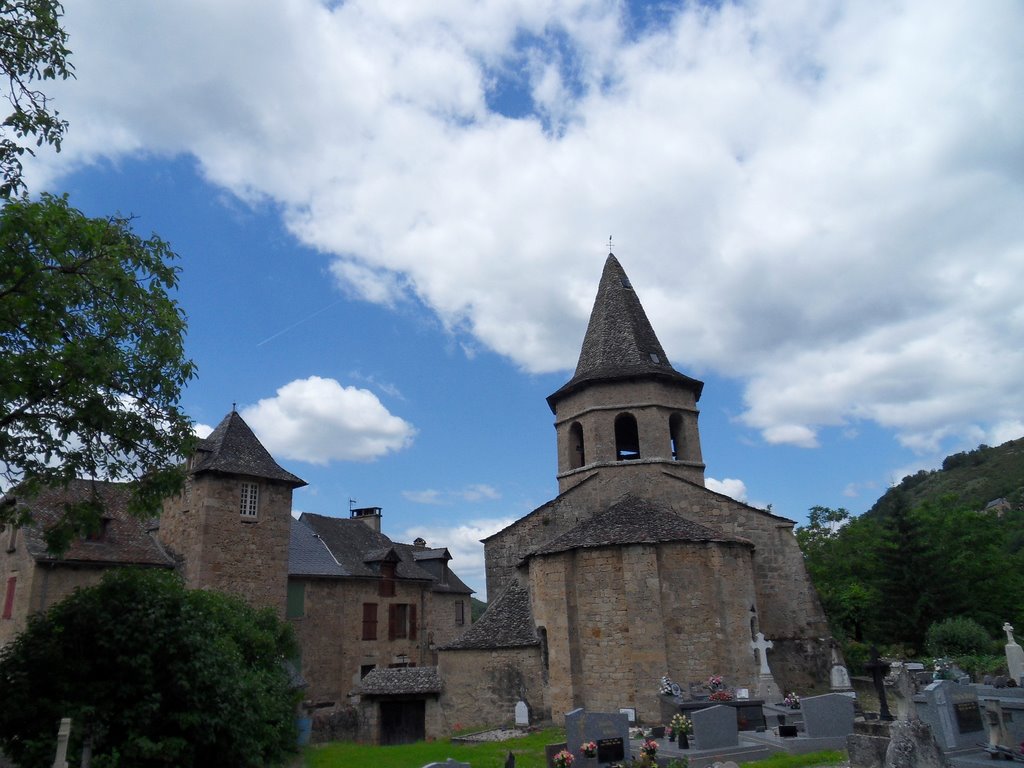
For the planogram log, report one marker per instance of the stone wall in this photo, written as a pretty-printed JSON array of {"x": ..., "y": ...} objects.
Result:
[
  {"x": 220, "y": 549},
  {"x": 482, "y": 687},
  {"x": 618, "y": 618}
]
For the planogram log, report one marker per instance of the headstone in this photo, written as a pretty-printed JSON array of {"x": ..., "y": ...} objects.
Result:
[
  {"x": 839, "y": 676},
  {"x": 522, "y": 714},
  {"x": 767, "y": 688},
  {"x": 997, "y": 735},
  {"x": 610, "y": 730},
  {"x": 759, "y": 645},
  {"x": 953, "y": 713},
  {"x": 828, "y": 715},
  {"x": 1014, "y": 655},
  {"x": 878, "y": 668},
  {"x": 63, "y": 734},
  {"x": 904, "y": 689},
  {"x": 715, "y": 727}
]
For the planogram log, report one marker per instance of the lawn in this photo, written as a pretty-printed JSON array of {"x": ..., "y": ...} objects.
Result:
[{"x": 529, "y": 752}]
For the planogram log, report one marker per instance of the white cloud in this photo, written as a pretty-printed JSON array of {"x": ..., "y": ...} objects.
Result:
[
  {"x": 471, "y": 493},
  {"x": 822, "y": 199},
  {"x": 463, "y": 541},
  {"x": 731, "y": 487},
  {"x": 319, "y": 421},
  {"x": 202, "y": 430}
]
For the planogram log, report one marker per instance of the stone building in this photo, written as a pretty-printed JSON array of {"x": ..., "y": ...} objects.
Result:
[
  {"x": 358, "y": 601},
  {"x": 635, "y": 570}
]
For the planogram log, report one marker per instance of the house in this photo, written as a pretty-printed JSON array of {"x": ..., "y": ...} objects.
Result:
[
  {"x": 357, "y": 600},
  {"x": 635, "y": 569}
]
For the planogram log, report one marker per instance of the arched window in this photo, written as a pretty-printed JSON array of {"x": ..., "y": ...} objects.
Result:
[
  {"x": 675, "y": 431},
  {"x": 577, "y": 455},
  {"x": 627, "y": 438}
]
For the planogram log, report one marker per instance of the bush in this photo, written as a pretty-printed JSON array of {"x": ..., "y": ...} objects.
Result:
[
  {"x": 959, "y": 636},
  {"x": 977, "y": 666}
]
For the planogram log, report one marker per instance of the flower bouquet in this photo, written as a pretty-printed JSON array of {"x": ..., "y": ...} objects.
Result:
[
  {"x": 563, "y": 759},
  {"x": 649, "y": 749},
  {"x": 589, "y": 749},
  {"x": 720, "y": 696},
  {"x": 792, "y": 700},
  {"x": 681, "y": 725}
]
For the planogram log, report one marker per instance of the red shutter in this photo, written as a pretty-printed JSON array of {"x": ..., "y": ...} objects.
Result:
[
  {"x": 412, "y": 622},
  {"x": 369, "y": 621},
  {"x": 392, "y": 620},
  {"x": 9, "y": 599}
]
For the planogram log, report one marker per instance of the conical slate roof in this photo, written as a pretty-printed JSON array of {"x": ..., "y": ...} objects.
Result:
[
  {"x": 234, "y": 449},
  {"x": 620, "y": 342},
  {"x": 633, "y": 520}
]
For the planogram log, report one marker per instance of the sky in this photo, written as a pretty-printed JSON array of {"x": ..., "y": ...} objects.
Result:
[{"x": 391, "y": 220}]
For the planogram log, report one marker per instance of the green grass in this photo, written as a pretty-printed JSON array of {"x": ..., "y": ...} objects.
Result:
[
  {"x": 782, "y": 760},
  {"x": 529, "y": 752}
]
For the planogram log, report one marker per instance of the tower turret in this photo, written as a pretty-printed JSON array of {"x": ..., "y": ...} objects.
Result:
[{"x": 626, "y": 406}]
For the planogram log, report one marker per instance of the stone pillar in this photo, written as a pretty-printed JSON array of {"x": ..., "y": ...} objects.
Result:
[{"x": 63, "y": 734}]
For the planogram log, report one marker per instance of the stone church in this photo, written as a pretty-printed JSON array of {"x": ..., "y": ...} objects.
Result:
[{"x": 635, "y": 570}]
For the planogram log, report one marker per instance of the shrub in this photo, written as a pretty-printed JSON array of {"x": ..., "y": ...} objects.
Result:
[{"x": 958, "y": 636}]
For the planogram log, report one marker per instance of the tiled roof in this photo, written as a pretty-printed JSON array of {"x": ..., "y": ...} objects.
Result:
[
  {"x": 233, "y": 448},
  {"x": 507, "y": 623},
  {"x": 620, "y": 342},
  {"x": 126, "y": 539},
  {"x": 400, "y": 681},
  {"x": 435, "y": 561},
  {"x": 350, "y": 541},
  {"x": 308, "y": 555},
  {"x": 633, "y": 520}
]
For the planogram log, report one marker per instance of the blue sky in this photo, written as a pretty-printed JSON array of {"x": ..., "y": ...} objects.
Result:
[{"x": 392, "y": 219}]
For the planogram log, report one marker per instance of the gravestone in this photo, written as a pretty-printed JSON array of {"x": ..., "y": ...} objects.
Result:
[
  {"x": 767, "y": 688},
  {"x": 878, "y": 668},
  {"x": 63, "y": 734},
  {"x": 911, "y": 746},
  {"x": 609, "y": 730},
  {"x": 522, "y": 714},
  {"x": 715, "y": 727},
  {"x": 839, "y": 676},
  {"x": 827, "y": 716},
  {"x": 1014, "y": 655},
  {"x": 953, "y": 713}
]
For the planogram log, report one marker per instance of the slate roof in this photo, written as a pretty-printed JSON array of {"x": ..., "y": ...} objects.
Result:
[
  {"x": 620, "y": 342},
  {"x": 400, "y": 681},
  {"x": 308, "y": 555},
  {"x": 127, "y": 540},
  {"x": 633, "y": 520},
  {"x": 434, "y": 561},
  {"x": 234, "y": 449},
  {"x": 507, "y": 623}
]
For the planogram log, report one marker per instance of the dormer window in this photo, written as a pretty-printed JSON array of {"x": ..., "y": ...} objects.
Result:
[
  {"x": 99, "y": 533},
  {"x": 250, "y": 501}
]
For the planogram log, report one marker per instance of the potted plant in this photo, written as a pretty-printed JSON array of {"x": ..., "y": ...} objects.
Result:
[{"x": 681, "y": 727}]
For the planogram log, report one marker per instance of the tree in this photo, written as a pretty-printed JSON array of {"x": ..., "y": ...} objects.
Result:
[
  {"x": 32, "y": 49},
  {"x": 92, "y": 358},
  {"x": 152, "y": 674}
]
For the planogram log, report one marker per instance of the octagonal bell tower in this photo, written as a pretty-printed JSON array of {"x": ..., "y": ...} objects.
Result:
[{"x": 626, "y": 409}]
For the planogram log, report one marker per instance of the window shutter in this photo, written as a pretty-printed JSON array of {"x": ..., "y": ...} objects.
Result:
[
  {"x": 369, "y": 621},
  {"x": 392, "y": 620},
  {"x": 412, "y": 621},
  {"x": 9, "y": 598}
]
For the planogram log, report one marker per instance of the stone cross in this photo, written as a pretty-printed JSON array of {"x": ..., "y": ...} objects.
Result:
[
  {"x": 760, "y": 645},
  {"x": 1008, "y": 629},
  {"x": 1014, "y": 655},
  {"x": 878, "y": 668},
  {"x": 63, "y": 734}
]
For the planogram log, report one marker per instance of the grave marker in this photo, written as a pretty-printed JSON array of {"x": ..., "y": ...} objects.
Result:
[
  {"x": 715, "y": 727},
  {"x": 610, "y": 729},
  {"x": 828, "y": 715}
]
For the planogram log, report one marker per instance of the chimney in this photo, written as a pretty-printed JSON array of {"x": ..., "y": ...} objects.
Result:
[
  {"x": 420, "y": 543},
  {"x": 369, "y": 515}
]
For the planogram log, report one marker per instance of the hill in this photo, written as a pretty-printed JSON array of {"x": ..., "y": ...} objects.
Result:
[{"x": 971, "y": 478}]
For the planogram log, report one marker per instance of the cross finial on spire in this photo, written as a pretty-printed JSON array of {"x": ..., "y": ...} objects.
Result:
[{"x": 609, "y": 245}]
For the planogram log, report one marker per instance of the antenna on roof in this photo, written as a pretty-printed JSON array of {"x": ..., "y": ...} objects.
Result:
[{"x": 351, "y": 504}]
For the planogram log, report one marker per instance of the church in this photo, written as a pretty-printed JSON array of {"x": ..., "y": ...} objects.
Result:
[{"x": 635, "y": 569}]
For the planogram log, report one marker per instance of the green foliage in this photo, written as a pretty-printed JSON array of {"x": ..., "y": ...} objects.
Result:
[
  {"x": 32, "y": 49},
  {"x": 784, "y": 760},
  {"x": 979, "y": 665},
  {"x": 91, "y": 357},
  {"x": 959, "y": 636},
  {"x": 153, "y": 674}
]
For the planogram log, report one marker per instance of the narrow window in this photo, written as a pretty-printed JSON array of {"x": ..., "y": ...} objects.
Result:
[
  {"x": 627, "y": 438},
  {"x": 460, "y": 613},
  {"x": 9, "y": 598},
  {"x": 401, "y": 621},
  {"x": 387, "y": 580},
  {"x": 369, "y": 621},
  {"x": 12, "y": 538},
  {"x": 577, "y": 454},
  {"x": 296, "y": 607},
  {"x": 250, "y": 500},
  {"x": 675, "y": 431}
]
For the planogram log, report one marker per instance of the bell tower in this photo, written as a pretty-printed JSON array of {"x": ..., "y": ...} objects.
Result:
[{"x": 626, "y": 409}]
